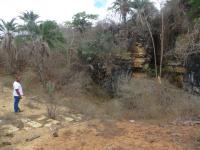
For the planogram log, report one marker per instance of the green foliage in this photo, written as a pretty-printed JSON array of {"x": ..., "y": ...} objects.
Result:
[
  {"x": 50, "y": 86},
  {"x": 81, "y": 21},
  {"x": 7, "y": 32},
  {"x": 138, "y": 7},
  {"x": 68, "y": 24},
  {"x": 29, "y": 17},
  {"x": 50, "y": 33},
  {"x": 19, "y": 40},
  {"x": 143, "y": 9},
  {"x": 47, "y": 31},
  {"x": 30, "y": 20},
  {"x": 139, "y": 4},
  {"x": 123, "y": 7},
  {"x": 101, "y": 45},
  {"x": 8, "y": 27},
  {"x": 195, "y": 8}
]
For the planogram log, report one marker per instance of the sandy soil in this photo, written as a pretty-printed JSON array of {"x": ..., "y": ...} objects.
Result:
[{"x": 94, "y": 134}]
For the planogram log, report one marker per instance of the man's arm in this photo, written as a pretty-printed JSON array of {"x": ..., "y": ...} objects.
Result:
[{"x": 17, "y": 90}]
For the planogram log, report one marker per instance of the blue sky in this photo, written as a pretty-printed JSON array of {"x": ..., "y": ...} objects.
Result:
[{"x": 100, "y": 3}]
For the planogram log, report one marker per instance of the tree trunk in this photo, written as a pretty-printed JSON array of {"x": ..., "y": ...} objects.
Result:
[
  {"x": 142, "y": 17},
  {"x": 124, "y": 18},
  {"x": 154, "y": 48},
  {"x": 162, "y": 44}
]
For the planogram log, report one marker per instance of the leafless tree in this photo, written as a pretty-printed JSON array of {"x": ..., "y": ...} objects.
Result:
[{"x": 187, "y": 44}]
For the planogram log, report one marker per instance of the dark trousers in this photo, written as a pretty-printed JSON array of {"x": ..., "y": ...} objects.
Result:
[{"x": 16, "y": 103}]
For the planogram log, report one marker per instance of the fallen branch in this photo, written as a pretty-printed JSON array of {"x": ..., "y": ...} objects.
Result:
[{"x": 33, "y": 137}]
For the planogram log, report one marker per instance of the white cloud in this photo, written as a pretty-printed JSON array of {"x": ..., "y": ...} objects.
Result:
[{"x": 59, "y": 10}]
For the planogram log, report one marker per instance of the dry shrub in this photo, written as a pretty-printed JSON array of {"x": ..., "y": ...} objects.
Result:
[
  {"x": 90, "y": 109},
  {"x": 15, "y": 59},
  {"x": 82, "y": 100},
  {"x": 136, "y": 99},
  {"x": 112, "y": 109},
  {"x": 77, "y": 85},
  {"x": 6, "y": 81},
  {"x": 89, "y": 99},
  {"x": 146, "y": 99},
  {"x": 73, "y": 75},
  {"x": 60, "y": 67},
  {"x": 22, "y": 58},
  {"x": 187, "y": 44},
  {"x": 52, "y": 102},
  {"x": 93, "y": 102},
  {"x": 39, "y": 55},
  {"x": 83, "y": 106},
  {"x": 1, "y": 58},
  {"x": 55, "y": 68},
  {"x": 30, "y": 80}
]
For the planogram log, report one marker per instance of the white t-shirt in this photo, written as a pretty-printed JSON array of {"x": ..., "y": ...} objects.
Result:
[{"x": 17, "y": 85}]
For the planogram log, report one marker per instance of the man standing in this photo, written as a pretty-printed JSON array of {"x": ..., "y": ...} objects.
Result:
[{"x": 17, "y": 93}]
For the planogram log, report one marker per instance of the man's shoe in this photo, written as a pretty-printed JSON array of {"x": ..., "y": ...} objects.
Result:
[{"x": 19, "y": 110}]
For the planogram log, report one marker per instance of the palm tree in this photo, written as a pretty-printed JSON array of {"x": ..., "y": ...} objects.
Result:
[
  {"x": 30, "y": 20},
  {"x": 8, "y": 30},
  {"x": 143, "y": 9},
  {"x": 140, "y": 4},
  {"x": 8, "y": 27},
  {"x": 48, "y": 38},
  {"x": 46, "y": 32},
  {"x": 29, "y": 17},
  {"x": 123, "y": 7}
]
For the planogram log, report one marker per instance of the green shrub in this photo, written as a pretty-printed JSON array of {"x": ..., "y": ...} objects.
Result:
[{"x": 100, "y": 46}]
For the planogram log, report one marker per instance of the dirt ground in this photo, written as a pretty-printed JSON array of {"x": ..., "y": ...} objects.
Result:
[{"x": 93, "y": 134}]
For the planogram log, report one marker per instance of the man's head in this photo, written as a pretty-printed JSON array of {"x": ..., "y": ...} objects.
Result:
[{"x": 18, "y": 78}]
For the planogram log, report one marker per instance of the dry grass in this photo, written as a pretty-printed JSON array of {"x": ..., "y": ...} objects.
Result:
[
  {"x": 136, "y": 99},
  {"x": 146, "y": 99},
  {"x": 140, "y": 99}
]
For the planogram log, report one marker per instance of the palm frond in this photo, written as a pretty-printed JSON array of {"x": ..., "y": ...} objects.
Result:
[
  {"x": 2, "y": 28},
  {"x": 29, "y": 16},
  {"x": 3, "y": 22},
  {"x": 12, "y": 21},
  {"x": 9, "y": 26}
]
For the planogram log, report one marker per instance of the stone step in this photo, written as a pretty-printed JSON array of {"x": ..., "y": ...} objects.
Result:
[{"x": 9, "y": 128}]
